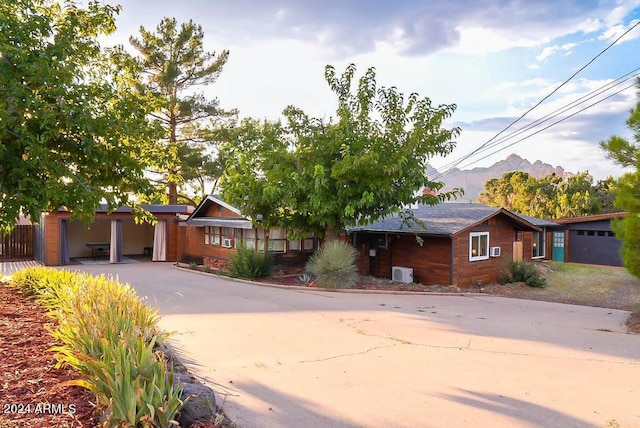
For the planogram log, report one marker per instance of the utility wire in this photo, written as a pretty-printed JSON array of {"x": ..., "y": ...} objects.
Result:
[
  {"x": 546, "y": 97},
  {"x": 602, "y": 89},
  {"x": 553, "y": 124}
]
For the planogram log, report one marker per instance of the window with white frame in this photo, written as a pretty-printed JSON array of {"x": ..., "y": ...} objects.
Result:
[
  {"x": 537, "y": 246},
  {"x": 478, "y": 246},
  {"x": 212, "y": 235}
]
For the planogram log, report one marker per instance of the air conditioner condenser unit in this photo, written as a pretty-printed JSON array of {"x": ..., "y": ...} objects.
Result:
[{"x": 402, "y": 274}]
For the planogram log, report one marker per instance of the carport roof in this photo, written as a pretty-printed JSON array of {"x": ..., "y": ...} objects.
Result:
[{"x": 152, "y": 208}]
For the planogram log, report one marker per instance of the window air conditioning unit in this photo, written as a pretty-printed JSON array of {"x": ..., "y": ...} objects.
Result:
[
  {"x": 226, "y": 243},
  {"x": 494, "y": 251},
  {"x": 402, "y": 274}
]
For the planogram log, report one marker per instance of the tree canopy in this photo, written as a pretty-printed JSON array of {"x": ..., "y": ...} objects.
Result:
[
  {"x": 176, "y": 70},
  {"x": 549, "y": 197},
  {"x": 627, "y": 153},
  {"x": 73, "y": 129},
  {"x": 369, "y": 161}
]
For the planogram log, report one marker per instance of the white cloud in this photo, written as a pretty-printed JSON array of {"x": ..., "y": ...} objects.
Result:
[
  {"x": 612, "y": 33},
  {"x": 551, "y": 50}
]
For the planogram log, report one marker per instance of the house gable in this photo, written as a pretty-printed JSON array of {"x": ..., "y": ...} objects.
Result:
[{"x": 501, "y": 232}]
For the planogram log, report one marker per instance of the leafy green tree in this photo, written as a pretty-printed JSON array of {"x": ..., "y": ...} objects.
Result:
[
  {"x": 177, "y": 69},
  {"x": 606, "y": 194},
  {"x": 73, "y": 129},
  {"x": 547, "y": 197},
  {"x": 309, "y": 174},
  {"x": 627, "y": 154}
]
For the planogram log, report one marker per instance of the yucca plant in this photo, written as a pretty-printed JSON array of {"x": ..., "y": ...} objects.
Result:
[{"x": 334, "y": 265}]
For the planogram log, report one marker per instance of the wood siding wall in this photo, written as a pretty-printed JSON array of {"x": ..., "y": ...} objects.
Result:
[
  {"x": 430, "y": 262},
  {"x": 501, "y": 234},
  {"x": 52, "y": 238},
  {"x": 215, "y": 210}
]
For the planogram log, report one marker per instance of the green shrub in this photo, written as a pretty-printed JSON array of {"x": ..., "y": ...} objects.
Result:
[
  {"x": 334, "y": 265},
  {"x": 249, "y": 263},
  {"x": 107, "y": 334},
  {"x": 523, "y": 272}
]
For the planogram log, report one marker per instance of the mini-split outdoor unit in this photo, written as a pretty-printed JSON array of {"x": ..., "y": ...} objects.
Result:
[
  {"x": 494, "y": 251},
  {"x": 226, "y": 243},
  {"x": 402, "y": 274}
]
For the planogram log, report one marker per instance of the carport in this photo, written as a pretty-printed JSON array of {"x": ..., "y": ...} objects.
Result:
[{"x": 109, "y": 236}]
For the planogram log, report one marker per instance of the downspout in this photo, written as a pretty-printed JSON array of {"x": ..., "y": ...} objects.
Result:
[
  {"x": 390, "y": 259},
  {"x": 451, "y": 261}
]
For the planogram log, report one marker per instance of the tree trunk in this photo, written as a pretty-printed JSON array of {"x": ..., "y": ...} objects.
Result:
[
  {"x": 173, "y": 194},
  {"x": 330, "y": 233}
]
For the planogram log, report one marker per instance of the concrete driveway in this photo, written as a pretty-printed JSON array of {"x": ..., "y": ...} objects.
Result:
[{"x": 289, "y": 358}]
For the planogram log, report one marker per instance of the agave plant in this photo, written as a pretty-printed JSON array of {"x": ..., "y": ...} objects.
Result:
[{"x": 306, "y": 279}]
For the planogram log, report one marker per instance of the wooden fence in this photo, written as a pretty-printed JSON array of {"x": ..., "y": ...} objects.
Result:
[{"x": 18, "y": 244}]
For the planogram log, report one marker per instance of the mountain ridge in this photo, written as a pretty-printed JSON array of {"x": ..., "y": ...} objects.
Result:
[{"x": 472, "y": 180}]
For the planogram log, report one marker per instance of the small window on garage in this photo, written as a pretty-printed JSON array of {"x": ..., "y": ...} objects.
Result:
[
  {"x": 611, "y": 233},
  {"x": 591, "y": 232},
  {"x": 581, "y": 232},
  {"x": 602, "y": 233}
]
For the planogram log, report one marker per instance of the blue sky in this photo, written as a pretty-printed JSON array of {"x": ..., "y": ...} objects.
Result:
[{"x": 493, "y": 58}]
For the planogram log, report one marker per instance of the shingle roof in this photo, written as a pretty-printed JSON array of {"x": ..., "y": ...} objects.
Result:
[
  {"x": 441, "y": 219},
  {"x": 538, "y": 221}
]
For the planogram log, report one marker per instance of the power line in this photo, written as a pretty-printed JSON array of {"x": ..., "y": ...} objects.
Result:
[
  {"x": 553, "y": 124},
  {"x": 602, "y": 89},
  {"x": 546, "y": 97}
]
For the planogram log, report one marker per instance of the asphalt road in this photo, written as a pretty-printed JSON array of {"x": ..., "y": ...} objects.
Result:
[{"x": 289, "y": 358}]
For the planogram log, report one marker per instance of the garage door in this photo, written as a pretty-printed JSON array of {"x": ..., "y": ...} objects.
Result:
[{"x": 599, "y": 247}]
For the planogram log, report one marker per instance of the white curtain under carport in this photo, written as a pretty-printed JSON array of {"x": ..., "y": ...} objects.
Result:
[
  {"x": 115, "y": 248},
  {"x": 160, "y": 242}
]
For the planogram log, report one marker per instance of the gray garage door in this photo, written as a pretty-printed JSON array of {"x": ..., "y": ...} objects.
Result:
[{"x": 594, "y": 246}]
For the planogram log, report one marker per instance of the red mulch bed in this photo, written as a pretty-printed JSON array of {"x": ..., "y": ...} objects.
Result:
[{"x": 27, "y": 373}]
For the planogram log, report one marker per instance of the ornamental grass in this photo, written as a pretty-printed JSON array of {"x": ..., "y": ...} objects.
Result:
[{"x": 109, "y": 336}]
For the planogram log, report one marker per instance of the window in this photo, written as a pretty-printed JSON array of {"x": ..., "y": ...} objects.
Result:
[
  {"x": 211, "y": 235},
  {"x": 581, "y": 232},
  {"x": 277, "y": 240},
  {"x": 249, "y": 238},
  {"x": 294, "y": 245},
  {"x": 260, "y": 239},
  {"x": 308, "y": 243},
  {"x": 237, "y": 237},
  {"x": 537, "y": 246},
  {"x": 226, "y": 233},
  {"x": 478, "y": 246},
  {"x": 591, "y": 232},
  {"x": 602, "y": 233},
  {"x": 610, "y": 233}
]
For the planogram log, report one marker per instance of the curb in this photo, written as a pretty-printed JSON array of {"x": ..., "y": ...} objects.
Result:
[{"x": 323, "y": 290}]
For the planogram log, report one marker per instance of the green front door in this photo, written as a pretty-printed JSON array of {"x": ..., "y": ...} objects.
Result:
[{"x": 558, "y": 246}]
